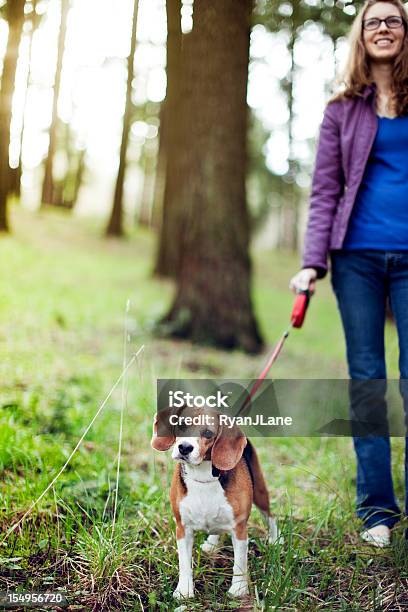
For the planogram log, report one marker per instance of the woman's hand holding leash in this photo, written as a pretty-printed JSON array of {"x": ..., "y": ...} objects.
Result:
[
  {"x": 303, "y": 284},
  {"x": 305, "y": 280}
]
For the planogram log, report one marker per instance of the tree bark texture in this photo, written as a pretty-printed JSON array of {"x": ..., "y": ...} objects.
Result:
[
  {"x": 15, "y": 18},
  {"x": 213, "y": 303},
  {"x": 146, "y": 199},
  {"x": 290, "y": 212},
  {"x": 17, "y": 173},
  {"x": 172, "y": 140},
  {"x": 47, "y": 196},
  {"x": 115, "y": 225},
  {"x": 159, "y": 175}
]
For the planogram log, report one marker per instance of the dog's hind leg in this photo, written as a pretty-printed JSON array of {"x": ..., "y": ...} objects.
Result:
[
  {"x": 274, "y": 534},
  {"x": 261, "y": 495},
  {"x": 211, "y": 544}
]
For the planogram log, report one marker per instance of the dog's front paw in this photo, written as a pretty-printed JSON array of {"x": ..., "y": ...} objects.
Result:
[
  {"x": 238, "y": 589},
  {"x": 184, "y": 589}
]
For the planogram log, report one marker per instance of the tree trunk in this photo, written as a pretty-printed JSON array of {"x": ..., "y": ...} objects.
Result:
[
  {"x": 146, "y": 200},
  {"x": 115, "y": 225},
  {"x": 18, "y": 172},
  {"x": 48, "y": 182},
  {"x": 160, "y": 173},
  {"x": 174, "y": 139},
  {"x": 15, "y": 18},
  {"x": 212, "y": 303},
  {"x": 290, "y": 211}
]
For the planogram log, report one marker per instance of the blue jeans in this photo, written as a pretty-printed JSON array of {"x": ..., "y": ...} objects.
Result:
[{"x": 362, "y": 281}]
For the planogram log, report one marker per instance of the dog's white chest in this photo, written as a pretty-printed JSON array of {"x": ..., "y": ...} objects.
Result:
[{"x": 205, "y": 507}]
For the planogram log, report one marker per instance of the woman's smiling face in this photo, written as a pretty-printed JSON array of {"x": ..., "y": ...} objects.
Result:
[{"x": 384, "y": 43}]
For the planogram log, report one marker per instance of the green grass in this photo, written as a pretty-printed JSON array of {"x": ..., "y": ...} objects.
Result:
[{"x": 62, "y": 304}]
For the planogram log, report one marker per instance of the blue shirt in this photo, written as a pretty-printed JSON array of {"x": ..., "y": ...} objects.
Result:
[{"x": 379, "y": 219}]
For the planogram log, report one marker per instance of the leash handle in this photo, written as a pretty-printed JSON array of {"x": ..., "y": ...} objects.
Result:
[{"x": 299, "y": 308}]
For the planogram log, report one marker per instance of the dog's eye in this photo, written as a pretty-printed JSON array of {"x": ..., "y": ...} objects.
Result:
[{"x": 207, "y": 434}]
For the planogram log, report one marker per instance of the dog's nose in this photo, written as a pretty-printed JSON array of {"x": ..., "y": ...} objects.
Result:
[{"x": 185, "y": 448}]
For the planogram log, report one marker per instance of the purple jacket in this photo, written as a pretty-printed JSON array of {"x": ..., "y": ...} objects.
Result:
[{"x": 346, "y": 137}]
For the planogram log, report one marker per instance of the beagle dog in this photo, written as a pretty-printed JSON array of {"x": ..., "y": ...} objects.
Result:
[{"x": 216, "y": 479}]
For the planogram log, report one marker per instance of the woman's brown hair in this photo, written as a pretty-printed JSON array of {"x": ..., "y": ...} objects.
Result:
[{"x": 357, "y": 73}]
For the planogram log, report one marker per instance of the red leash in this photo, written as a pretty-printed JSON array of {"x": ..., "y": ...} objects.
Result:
[{"x": 296, "y": 320}]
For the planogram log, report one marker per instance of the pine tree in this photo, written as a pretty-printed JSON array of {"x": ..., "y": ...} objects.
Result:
[
  {"x": 115, "y": 225},
  {"x": 14, "y": 11},
  {"x": 48, "y": 187},
  {"x": 213, "y": 303}
]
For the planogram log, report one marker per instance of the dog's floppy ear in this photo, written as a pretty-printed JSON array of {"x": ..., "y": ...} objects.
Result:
[
  {"x": 228, "y": 448},
  {"x": 162, "y": 442}
]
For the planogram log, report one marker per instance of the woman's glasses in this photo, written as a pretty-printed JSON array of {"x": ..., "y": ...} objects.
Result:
[{"x": 393, "y": 22}]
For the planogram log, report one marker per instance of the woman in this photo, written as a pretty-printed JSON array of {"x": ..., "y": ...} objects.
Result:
[{"x": 359, "y": 214}]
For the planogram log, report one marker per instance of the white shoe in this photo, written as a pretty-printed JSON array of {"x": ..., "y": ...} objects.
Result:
[{"x": 379, "y": 536}]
